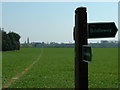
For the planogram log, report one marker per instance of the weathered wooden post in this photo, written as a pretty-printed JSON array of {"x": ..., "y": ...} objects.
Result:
[{"x": 80, "y": 37}]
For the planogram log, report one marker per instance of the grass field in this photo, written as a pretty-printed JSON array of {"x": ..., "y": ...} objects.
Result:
[
  {"x": 54, "y": 68},
  {"x": 103, "y": 71}
]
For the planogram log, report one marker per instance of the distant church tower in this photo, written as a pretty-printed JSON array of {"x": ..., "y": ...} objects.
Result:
[{"x": 28, "y": 40}]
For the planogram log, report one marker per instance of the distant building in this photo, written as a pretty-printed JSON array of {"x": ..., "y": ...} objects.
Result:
[
  {"x": 55, "y": 44},
  {"x": 104, "y": 41},
  {"x": 28, "y": 41}
]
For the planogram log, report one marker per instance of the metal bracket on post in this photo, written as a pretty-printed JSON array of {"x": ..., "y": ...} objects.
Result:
[{"x": 87, "y": 53}]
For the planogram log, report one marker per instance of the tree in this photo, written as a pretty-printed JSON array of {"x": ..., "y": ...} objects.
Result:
[
  {"x": 14, "y": 40},
  {"x": 5, "y": 45},
  {"x": 10, "y": 41}
]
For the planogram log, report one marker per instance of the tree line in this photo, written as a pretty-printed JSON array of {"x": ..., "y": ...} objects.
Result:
[{"x": 10, "y": 41}]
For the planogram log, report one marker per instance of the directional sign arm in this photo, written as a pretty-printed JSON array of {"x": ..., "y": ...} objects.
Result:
[{"x": 102, "y": 30}]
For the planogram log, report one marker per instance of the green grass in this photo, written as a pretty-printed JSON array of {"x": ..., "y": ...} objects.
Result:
[
  {"x": 103, "y": 71},
  {"x": 14, "y": 62},
  {"x": 55, "y": 68},
  {"x": 0, "y": 70}
]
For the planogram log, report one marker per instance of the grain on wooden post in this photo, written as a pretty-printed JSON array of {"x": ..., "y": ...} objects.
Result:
[{"x": 80, "y": 37}]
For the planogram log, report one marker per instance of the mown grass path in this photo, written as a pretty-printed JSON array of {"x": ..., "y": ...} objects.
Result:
[
  {"x": 54, "y": 68},
  {"x": 13, "y": 79},
  {"x": 14, "y": 62}
]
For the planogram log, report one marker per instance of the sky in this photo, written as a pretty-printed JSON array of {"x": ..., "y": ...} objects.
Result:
[{"x": 53, "y": 21}]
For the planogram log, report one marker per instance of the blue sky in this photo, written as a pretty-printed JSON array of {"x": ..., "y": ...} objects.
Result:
[{"x": 52, "y": 21}]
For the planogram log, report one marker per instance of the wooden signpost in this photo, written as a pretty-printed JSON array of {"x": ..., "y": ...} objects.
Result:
[
  {"x": 80, "y": 37},
  {"x": 83, "y": 31},
  {"x": 102, "y": 30}
]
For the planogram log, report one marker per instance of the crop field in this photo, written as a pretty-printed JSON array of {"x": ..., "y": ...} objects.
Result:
[
  {"x": 103, "y": 71},
  {"x": 54, "y": 68}
]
